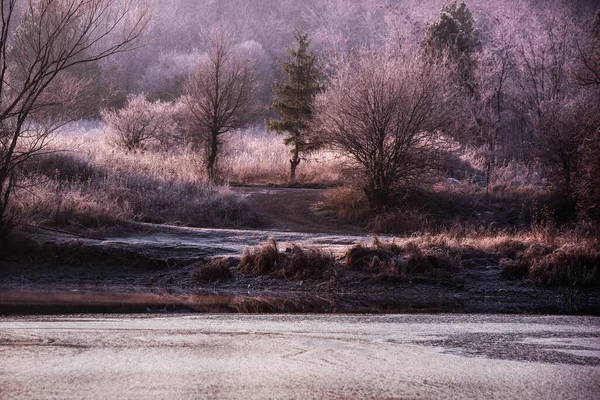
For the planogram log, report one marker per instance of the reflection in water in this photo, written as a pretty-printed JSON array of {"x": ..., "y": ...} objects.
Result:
[{"x": 61, "y": 302}]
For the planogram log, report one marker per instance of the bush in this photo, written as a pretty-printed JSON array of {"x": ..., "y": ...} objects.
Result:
[
  {"x": 310, "y": 263},
  {"x": 386, "y": 115},
  {"x": 295, "y": 262},
  {"x": 570, "y": 264},
  {"x": 261, "y": 260},
  {"x": 216, "y": 269},
  {"x": 141, "y": 124}
]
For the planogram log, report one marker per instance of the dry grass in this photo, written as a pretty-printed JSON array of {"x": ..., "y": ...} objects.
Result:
[
  {"x": 85, "y": 183},
  {"x": 253, "y": 156},
  {"x": 93, "y": 186},
  {"x": 261, "y": 260},
  {"x": 547, "y": 260},
  {"x": 447, "y": 206},
  {"x": 395, "y": 260},
  {"x": 294, "y": 263},
  {"x": 216, "y": 269},
  {"x": 307, "y": 263},
  {"x": 516, "y": 196},
  {"x": 467, "y": 167},
  {"x": 571, "y": 262}
]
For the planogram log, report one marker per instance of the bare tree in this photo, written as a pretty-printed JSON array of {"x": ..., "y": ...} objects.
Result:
[
  {"x": 489, "y": 108},
  {"x": 550, "y": 105},
  {"x": 565, "y": 125},
  {"x": 387, "y": 115},
  {"x": 588, "y": 71},
  {"x": 220, "y": 96},
  {"x": 39, "y": 43}
]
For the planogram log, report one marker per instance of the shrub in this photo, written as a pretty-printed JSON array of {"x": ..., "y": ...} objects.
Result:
[
  {"x": 309, "y": 263},
  {"x": 141, "y": 124},
  {"x": 569, "y": 264},
  {"x": 261, "y": 260},
  {"x": 295, "y": 262},
  {"x": 386, "y": 115},
  {"x": 216, "y": 269}
]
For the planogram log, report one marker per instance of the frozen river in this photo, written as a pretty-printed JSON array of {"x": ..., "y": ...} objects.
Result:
[{"x": 299, "y": 356}]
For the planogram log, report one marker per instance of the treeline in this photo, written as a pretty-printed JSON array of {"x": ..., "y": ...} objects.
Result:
[
  {"x": 390, "y": 84},
  {"x": 522, "y": 85}
]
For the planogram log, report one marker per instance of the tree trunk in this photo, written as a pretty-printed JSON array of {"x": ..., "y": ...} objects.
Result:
[
  {"x": 294, "y": 162},
  {"x": 378, "y": 197},
  {"x": 212, "y": 158},
  {"x": 6, "y": 222}
]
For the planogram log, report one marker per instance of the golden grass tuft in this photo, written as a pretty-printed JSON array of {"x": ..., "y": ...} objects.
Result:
[
  {"x": 295, "y": 262},
  {"x": 260, "y": 260},
  {"x": 393, "y": 260},
  {"x": 571, "y": 263}
]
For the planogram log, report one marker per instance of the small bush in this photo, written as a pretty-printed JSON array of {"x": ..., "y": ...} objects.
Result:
[
  {"x": 309, "y": 263},
  {"x": 261, "y": 260},
  {"x": 140, "y": 124},
  {"x": 217, "y": 269},
  {"x": 392, "y": 260},
  {"x": 569, "y": 264},
  {"x": 295, "y": 262}
]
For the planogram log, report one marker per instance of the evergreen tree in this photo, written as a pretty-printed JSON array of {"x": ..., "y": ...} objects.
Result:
[
  {"x": 454, "y": 35},
  {"x": 293, "y": 100}
]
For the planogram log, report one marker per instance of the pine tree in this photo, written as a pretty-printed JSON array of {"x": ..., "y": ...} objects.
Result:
[
  {"x": 454, "y": 34},
  {"x": 293, "y": 100}
]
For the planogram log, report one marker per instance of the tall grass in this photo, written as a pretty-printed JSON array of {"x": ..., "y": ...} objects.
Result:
[
  {"x": 253, "y": 156},
  {"x": 83, "y": 181}
]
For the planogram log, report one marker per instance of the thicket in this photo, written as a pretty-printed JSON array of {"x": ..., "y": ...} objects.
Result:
[{"x": 462, "y": 100}]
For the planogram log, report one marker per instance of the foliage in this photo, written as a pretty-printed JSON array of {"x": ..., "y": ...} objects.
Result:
[
  {"x": 454, "y": 34},
  {"x": 294, "y": 99},
  {"x": 140, "y": 124}
]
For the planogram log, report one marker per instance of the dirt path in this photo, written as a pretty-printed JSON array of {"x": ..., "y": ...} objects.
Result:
[{"x": 293, "y": 209}]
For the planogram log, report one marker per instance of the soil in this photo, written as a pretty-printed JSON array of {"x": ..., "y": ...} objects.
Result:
[
  {"x": 294, "y": 209},
  {"x": 153, "y": 268}
]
